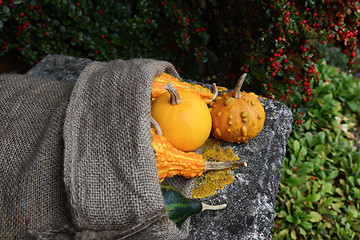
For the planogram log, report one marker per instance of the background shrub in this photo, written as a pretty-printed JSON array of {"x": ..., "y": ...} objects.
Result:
[{"x": 206, "y": 40}]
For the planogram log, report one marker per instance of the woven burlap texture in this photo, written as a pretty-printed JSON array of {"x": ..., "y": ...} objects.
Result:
[
  {"x": 32, "y": 190},
  {"x": 81, "y": 166}
]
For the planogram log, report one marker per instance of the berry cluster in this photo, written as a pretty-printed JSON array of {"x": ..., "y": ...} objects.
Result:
[{"x": 274, "y": 41}]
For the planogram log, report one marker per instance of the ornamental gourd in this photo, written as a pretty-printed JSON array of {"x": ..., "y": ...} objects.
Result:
[
  {"x": 184, "y": 118},
  {"x": 171, "y": 161},
  {"x": 179, "y": 207},
  {"x": 237, "y": 116}
]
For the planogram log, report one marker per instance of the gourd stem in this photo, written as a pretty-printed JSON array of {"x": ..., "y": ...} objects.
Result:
[
  {"x": 215, "y": 91},
  {"x": 238, "y": 86},
  {"x": 174, "y": 94},
  {"x": 156, "y": 126},
  {"x": 212, "y": 207},
  {"x": 223, "y": 165}
]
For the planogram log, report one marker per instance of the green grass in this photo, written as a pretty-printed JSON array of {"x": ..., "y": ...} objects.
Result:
[{"x": 320, "y": 178}]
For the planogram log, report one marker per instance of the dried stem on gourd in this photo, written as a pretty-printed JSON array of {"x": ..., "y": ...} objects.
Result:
[
  {"x": 156, "y": 126},
  {"x": 212, "y": 207},
  {"x": 238, "y": 86},
  {"x": 174, "y": 94},
  {"x": 215, "y": 91},
  {"x": 223, "y": 165}
]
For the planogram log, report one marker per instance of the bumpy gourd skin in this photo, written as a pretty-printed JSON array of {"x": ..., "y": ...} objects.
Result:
[
  {"x": 237, "y": 119},
  {"x": 186, "y": 125},
  {"x": 171, "y": 161},
  {"x": 161, "y": 80}
]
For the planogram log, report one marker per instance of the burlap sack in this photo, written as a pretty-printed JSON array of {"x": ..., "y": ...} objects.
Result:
[
  {"x": 93, "y": 177},
  {"x": 32, "y": 190}
]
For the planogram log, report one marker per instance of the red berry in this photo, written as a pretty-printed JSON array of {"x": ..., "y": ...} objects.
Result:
[
  {"x": 148, "y": 21},
  {"x": 21, "y": 15}
]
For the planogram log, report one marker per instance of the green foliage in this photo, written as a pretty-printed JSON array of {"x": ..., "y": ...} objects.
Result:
[
  {"x": 206, "y": 40},
  {"x": 105, "y": 30},
  {"x": 320, "y": 179},
  {"x": 5, "y": 11}
]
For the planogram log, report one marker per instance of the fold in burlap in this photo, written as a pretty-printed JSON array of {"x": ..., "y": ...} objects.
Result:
[{"x": 89, "y": 173}]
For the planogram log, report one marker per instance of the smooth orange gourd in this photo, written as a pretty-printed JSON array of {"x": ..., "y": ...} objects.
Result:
[
  {"x": 184, "y": 118},
  {"x": 237, "y": 116}
]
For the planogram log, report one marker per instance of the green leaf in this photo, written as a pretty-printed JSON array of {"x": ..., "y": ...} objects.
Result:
[
  {"x": 328, "y": 201},
  {"x": 1, "y": 24},
  {"x": 353, "y": 105},
  {"x": 306, "y": 225},
  {"x": 339, "y": 191},
  {"x": 294, "y": 181},
  {"x": 309, "y": 138},
  {"x": 302, "y": 231},
  {"x": 333, "y": 174},
  {"x": 296, "y": 147},
  {"x": 312, "y": 198},
  {"x": 17, "y": 1},
  {"x": 337, "y": 206},
  {"x": 293, "y": 234},
  {"x": 327, "y": 187},
  {"x": 315, "y": 216},
  {"x": 350, "y": 179},
  {"x": 6, "y": 9},
  {"x": 289, "y": 218}
]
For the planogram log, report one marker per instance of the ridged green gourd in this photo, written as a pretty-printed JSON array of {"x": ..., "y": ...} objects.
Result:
[{"x": 180, "y": 207}]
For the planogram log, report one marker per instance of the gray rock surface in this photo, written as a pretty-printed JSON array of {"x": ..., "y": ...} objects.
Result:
[
  {"x": 59, "y": 67},
  {"x": 251, "y": 197}
]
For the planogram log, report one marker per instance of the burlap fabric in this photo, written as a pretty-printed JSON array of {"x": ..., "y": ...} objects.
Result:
[{"x": 76, "y": 161}]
